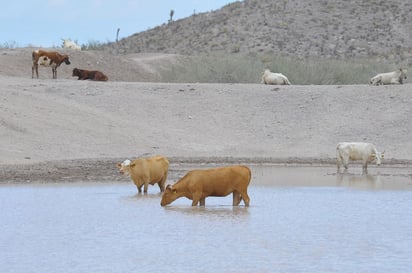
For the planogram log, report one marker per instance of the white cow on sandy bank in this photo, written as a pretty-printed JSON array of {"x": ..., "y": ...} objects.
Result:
[
  {"x": 357, "y": 151},
  {"x": 395, "y": 77},
  {"x": 67, "y": 43},
  {"x": 274, "y": 78}
]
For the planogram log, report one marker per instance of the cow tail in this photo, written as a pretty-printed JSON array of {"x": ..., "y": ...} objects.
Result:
[{"x": 249, "y": 173}]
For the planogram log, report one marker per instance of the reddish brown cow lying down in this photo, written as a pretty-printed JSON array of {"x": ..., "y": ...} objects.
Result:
[
  {"x": 196, "y": 185},
  {"x": 93, "y": 75}
]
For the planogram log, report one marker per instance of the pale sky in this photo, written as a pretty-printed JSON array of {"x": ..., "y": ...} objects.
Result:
[{"x": 44, "y": 23}]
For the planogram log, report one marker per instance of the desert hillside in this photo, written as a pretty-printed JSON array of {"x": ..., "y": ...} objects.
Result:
[
  {"x": 294, "y": 28},
  {"x": 235, "y": 43}
]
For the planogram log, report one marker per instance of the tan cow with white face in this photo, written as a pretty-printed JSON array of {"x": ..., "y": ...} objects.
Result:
[
  {"x": 196, "y": 185},
  {"x": 145, "y": 171}
]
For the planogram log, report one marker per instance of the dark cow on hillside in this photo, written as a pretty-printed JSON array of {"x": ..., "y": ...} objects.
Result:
[
  {"x": 89, "y": 75},
  {"x": 48, "y": 58}
]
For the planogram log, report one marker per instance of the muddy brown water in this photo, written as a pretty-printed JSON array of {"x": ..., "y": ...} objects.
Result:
[{"x": 301, "y": 219}]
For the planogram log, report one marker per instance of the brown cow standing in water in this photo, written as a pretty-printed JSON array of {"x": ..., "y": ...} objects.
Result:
[
  {"x": 196, "y": 185},
  {"x": 145, "y": 171},
  {"x": 47, "y": 58},
  {"x": 93, "y": 75}
]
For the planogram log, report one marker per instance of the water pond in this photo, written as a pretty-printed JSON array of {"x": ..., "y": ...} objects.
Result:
[{"x": 301, "y": 219}]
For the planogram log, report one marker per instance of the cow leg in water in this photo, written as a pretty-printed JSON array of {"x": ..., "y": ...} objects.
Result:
[
  {"x": 146, "y": 186},
  {"x": 197, "y": 197},
  {"x": 345, "y": 164},
  {"x": 163, "y": 182},
  {"x": 161, "y": 186},
  {"x": 236, "y": 198},
  {"x": 139, "y": 189},
  {"x": 245, "y": 197},
  {"x": 338, "y": 163},
  {"x": 365, "y": 168}
]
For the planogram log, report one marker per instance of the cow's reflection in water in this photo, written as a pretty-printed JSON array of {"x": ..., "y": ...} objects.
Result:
[
  {"x": 211, "y": 212},
  {"x": 362, "y": 181}
]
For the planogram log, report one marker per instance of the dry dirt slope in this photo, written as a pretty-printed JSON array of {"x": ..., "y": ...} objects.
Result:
[{"x": 60, "y": 119}]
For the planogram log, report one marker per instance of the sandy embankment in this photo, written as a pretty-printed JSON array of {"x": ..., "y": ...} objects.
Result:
[{"x": 67, "y": 129}]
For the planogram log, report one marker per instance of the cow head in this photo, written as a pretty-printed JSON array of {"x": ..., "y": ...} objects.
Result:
[
  {"x": 169, "y": 195},
  {"x": 378, "y": 157},
  {"x": 66, "y": 59},
  {"x": 125, "y": 166},
  {"x": 402, "y": 74},
  {"x": 265, "y": 73},
  {"x": 76, "y": 72},
  {"x": 377, "y": 80}
]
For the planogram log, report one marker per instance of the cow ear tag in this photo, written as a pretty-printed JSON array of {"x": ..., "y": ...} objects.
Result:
[{"x": 174, "y": 191}]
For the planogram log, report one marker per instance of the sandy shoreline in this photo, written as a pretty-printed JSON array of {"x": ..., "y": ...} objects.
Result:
[{"x": 104, "y": 169}]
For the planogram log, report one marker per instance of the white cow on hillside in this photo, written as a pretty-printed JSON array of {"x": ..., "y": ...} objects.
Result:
[
  {"x": 274, "y": 78},
  {"x": 67, "y": 43},
  {"x": 354, "y": 151},
  {"x": 395, "y": 77}
]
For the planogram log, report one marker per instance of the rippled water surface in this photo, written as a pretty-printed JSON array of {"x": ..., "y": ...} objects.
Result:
[{"x": 301, "y": 219}]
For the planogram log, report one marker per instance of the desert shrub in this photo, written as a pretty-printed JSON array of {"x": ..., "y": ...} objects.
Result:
[
  {"x": 213, "y": 69},
  {"x": 93, "y": 45},
  {"x": 236, "y": 68},
  {"x": 9, "y": 44}
]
